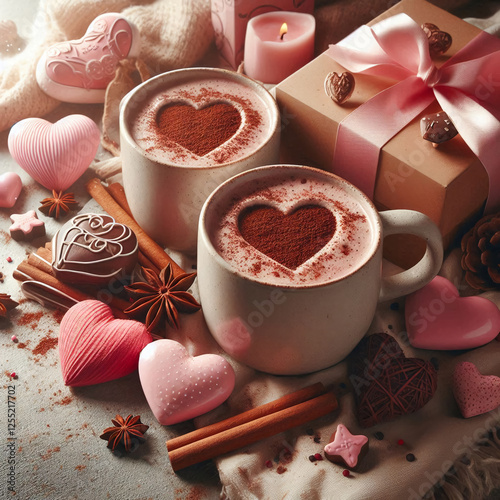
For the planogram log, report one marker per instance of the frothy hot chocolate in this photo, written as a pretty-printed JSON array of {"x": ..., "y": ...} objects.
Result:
[
  {"x": 204, "y": 122},
  {"x": 293, "y": 231}
]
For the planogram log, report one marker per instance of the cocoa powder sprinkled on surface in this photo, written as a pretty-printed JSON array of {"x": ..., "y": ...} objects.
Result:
[
  {"x": 30, "y": 319},
  {"x": 6, "y": 237},
  {"x": 58, "y": 315},
  {"x": 64, "y": 401},
  {"x": 45, "y": 345}
]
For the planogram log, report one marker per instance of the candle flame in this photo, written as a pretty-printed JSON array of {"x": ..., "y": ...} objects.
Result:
[{"x": 283, "y": 30}]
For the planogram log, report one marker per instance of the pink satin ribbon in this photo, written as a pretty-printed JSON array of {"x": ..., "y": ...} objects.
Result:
[{"x": 467, "y": 87}]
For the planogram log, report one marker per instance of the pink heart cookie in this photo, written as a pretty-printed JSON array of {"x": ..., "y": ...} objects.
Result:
[
  {"x": 438, "y": 318},
  {"x": 10, "y": 188},
  {"x": 80, "y": 70},
  {"x": 95, "y": 347},
  {"x": 179, "y": 387},
  {"x": 55, "y": 155},
  {"x": 475, "y": 393}
]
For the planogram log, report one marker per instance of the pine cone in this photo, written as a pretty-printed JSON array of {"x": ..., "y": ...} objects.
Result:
[{"x": 481, "y": 254}]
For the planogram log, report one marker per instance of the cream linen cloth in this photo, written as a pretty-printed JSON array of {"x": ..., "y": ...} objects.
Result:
[
  {"x": 177, "y": 33},
  {"x": 174, "y": 34}
]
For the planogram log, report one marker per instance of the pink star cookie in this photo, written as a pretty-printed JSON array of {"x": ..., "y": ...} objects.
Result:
[
  {"x": 26, "y": 226},
  {"x": 345, "y": 448}
]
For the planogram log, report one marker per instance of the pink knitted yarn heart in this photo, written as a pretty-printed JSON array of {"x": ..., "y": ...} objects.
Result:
[
  {"x": 55, "y": 155},
  {"x": 179, "y": 387},
  {"x": 475, "y": 393},
  {"x": 95, "y": 347}
]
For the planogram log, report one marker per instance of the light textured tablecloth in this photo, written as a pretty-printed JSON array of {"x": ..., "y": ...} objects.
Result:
[{"x": 59, "y": 453}]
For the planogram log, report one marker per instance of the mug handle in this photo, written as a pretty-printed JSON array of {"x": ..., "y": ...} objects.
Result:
[{"x": 410, "y": 280}]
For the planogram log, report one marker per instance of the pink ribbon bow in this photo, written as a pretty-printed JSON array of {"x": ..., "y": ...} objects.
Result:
[{"x": 467, "y": 87}]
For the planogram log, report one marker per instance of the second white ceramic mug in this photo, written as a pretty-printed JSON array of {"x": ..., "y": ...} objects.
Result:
[{"x": 290, "y": 330}]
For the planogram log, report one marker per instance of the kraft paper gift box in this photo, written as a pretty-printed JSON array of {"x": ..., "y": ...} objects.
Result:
[
  {"x": 447, "y": 183},
  {"x": 230, "y": 19}
]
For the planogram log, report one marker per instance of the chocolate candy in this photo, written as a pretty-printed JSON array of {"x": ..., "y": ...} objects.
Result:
[
  {"x": 437, "y": 128},
  {"x": 339, "y": 88},
  {"x": 26, "y": 226},
  {"x": 92, "y": 249},
  {"x": 439, "y": 41},
  {"x": 345, "y": 448}
]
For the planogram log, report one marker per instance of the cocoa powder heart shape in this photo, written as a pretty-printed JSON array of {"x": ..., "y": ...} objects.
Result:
[
  {"x": 198, "y": 130},
  {"x": 289, "y": 239}
]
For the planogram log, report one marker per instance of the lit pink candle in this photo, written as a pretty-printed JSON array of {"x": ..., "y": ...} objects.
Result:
[{"x": 277, "y": 44}]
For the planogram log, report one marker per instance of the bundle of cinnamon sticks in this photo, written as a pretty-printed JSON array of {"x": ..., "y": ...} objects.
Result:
[
  {"x": 36, "y": 270},
  {"x": 251, "y": 426}
]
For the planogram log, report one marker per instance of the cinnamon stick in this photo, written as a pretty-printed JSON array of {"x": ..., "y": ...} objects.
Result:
[
  {"x": 147, "y": 245},
  {"x": 118, "y": 193},
  {"x": 26, "y": 271},
  {"x": 40, "y": 261},
  {"x": 251, "y": 432},
  {"x": 286, "y": 401}
]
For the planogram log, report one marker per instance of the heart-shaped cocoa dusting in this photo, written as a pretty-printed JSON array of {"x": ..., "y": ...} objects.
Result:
[
  {"x": 289, "y": 239},
  {"x": 199, "y": 130}
]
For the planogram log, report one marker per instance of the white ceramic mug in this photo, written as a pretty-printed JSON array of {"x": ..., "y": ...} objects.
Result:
[
  {"x": 166, "y": 198},
  {"x": 295, "y": 328}
]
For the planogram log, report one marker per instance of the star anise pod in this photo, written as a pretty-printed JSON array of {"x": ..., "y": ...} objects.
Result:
[
  {"x": 481, "y": 254},
  {"x": 124, "y": 432},
  {"x": 6, "y": 304},
  {"x": 59, "y": 204},
  {"x": 162, "y": 297}
]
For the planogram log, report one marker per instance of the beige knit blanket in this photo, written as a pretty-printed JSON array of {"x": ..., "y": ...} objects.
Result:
[{"x": 174, "y": 34}]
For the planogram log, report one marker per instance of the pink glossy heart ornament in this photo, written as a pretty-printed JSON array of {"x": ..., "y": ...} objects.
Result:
[
  {"x": 55, "y": 155},
  {"x": 179, "y": 387},
  {"x": 474, "y": 392},
  {"x": 438, "y": 318},
  {"x": 95, "y": 347},
  {"x": 10, "y": 189},
  {"x": 80, "y": 70}
]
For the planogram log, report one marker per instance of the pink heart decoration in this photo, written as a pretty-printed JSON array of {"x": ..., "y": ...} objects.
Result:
[
  {"x": 179, "y": 387},
  {"x": 438, "y": 318},
  {"x": 475, "y": 393},
  {"x": 55, "y": 155},
  {"x": 10, "y": 188},
  {"x": 95, "y": 347},
  {"x": 80, "y": 70}
]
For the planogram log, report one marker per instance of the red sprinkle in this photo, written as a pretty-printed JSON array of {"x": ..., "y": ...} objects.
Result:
[
  {"x": 318, "y": 456},
  {"x": 269, "y": 464},
  {"x": 401, "y": 442},
  {"x": 13, "y": 375},
  {"x": 13, "y": 338},
  {"x": 9, "y": 259},
  {"x": 346, "y": 473}
]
